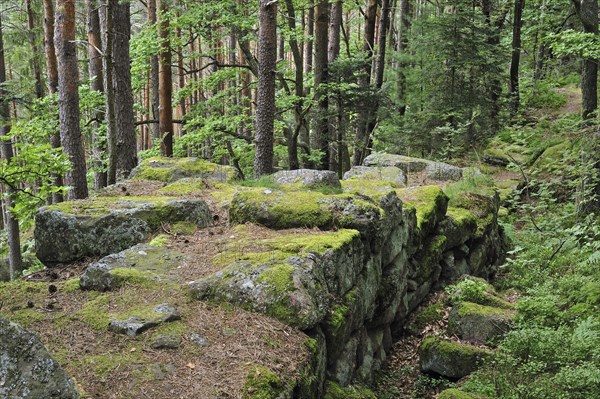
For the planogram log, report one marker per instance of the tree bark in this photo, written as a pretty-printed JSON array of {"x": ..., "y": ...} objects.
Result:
[
  {"x": 123, "y": 151},
  {"x": 15, "y": 261},
  {"x": 154, "y": 92},
  {"x": 68, "y": 98},
  {"x": 516, "y": 57},
  {"x": 265, "y": 107},
  {"x": 321, "y": 130},
  {"x": 362, "y": 138},
  {"x": 37, "y": 73},
  {"x": 405, "y": 24},
  {"x": 106, "y": 14},
  {"x": 335, "y": 121},
  {"x": 165, "y": 83},
  {"x": 310, "y": 30},
  {"x": 96, "y": 76},
  {"x": 52, "y": 71},
  {"x": 587, "y": 10}
]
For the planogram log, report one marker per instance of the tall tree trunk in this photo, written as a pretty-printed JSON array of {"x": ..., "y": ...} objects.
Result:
[
  {"x": 403, "y": 33},
  {"x": 265, "y": 107},
  {"x": 587, "y": 10},
  {"x": 52, "y": 71},
  {"x": 96, "y": 76},
  {"x": 333, "y": 52},
  {"x": 37, "y": 73},
  {"x": 15, "y": 261},
  {"x": 68, "y": 98},
  {"x": 310, "y": 31},
  {"x": 123, "y": 151},
  {"x": 154, "y": 96},
  {"x": 516, "y": 57},
  {"x": 165, "y": 83},
  {"x": 362, "y": 137},
  {"x": 106, "y": 14},
  {"x": 321, "y": 131}
]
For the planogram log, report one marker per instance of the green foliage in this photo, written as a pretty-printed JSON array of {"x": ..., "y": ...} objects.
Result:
[{"x": 468, "y": 290}]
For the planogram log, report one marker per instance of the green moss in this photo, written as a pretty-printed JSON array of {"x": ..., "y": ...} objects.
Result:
[
  {"x": 187, "y": 186},
  {"x": 335, "y": 391},
  {"x": 429, "y": 258},
  {"x": 454, "y": 393},
  {"x": 160, "y": 240},
  {"x": 95, "y": 313},
  {"x": 184, "y": 228},
  {"x": 452, "y": 351},
  {"x": 337, "y": 316},
  {"x": 312, "y": 345},
  {"x": 98, "y": 206},
  {"x": 483, "y": 207},
  {"x": 467, "y": 308},
  {"x": 19, "y": 300},
  {"x": 133, "y": 276},
  {"x": 105, "y": 364},
  {"x": 423, "y": 317},
  {"x": 373, "y": 188},
  {"x": 262, "y": 383},
  {"x": 430, "y": 203},
  {"x": 461, "y": 217},
  {"x": 278, "y": 280},
  {"x": 552, "y": 159},
  {"x": 71, "y": 285}
]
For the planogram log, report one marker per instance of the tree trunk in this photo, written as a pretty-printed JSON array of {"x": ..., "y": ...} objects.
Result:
[
  {"x": 335, "y": 122},
  {"x": 587, "y": 10},
  {"x": 123, "y": 151},
  {"x": 68, "y": 98},
  {"x": 265, "y": 107},
  {"x": 405, "y": 24},
  {"x": 52, "y": 70},
  {"x": 96, "y": 76},
  {"x": 516, "y": 57},
  {"x": 15, "y": 261},
  {"x": 154, "y": 92},
  {"x": 310, "y": 30},
  {"x": 165, "y": 83},
  {"x": 321, "y": 131},
  {"x": 106, "y": 14},
  {"x": 362, "y": 138},
  {"x": 37, "y": 74}
]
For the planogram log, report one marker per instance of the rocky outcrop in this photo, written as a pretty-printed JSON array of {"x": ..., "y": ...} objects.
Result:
[
  {"x": 356, "y": 284},
  {"x": 27, "y": 371},
  {"x": 433, "y": 170},
  {"x": 450, "y": 359},
  {"x": 479, "y": 323},
  {"x": 171, "y": 169},
  {"x": 390, "y": 174},
  {"x": 308, "y": 178},
  {"x": 105, "y": 225},
  {"x": 138, "y": 263}
]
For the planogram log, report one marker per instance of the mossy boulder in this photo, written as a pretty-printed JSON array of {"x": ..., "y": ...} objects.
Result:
[
  {"x": 104, "y": 225},
  {"x": 138, "y": 264},
  {"x": 433, "y": 170},
  {"x": 458, "y": 227},
  {"x": 552, "y": 160},
  {"x": 450, "y": 359},
  {"x": 454, "y": 393},
  {"x": 27, "y": 370},
  {"x": 395, "y": 176},
  {"x": 308, "y": 178},
  {"x": 483, "y": 207},
  {"x": 169, "y": 170},
  {"x": 479, "y": 323},
  {"x": 430, "y": 204}
]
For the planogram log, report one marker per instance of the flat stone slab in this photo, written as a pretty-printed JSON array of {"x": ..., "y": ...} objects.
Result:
[
  {"x": 141, "y": 261},
  {"x": 308, "y": 178},
  {"x": 433, "y": 170},
  {"x": 135, "y": 325},
  {"x": 391, "y": 174},
  {"x": 96, "y": 227},
  {"x": 450, "y": 359},
  {"x": 27, "y": 371}
]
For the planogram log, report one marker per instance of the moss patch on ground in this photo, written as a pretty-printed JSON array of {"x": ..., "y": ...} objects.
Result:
[
  {"x": 335, "y": 391},
  {"x": 262, "y": 383}
]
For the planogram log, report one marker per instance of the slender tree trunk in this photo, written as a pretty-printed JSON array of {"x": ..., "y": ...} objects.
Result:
[
  {"x": 96, "y": 76},
  {"x": 321, "y": 131},
  {"x": 154, "y": 78},
  {"x": 362, "y": 137},
  {"x": 165, "y": 83},
  {"x": 335, "y": 122},
  {"x": 37, "y": 73},
  {"x": 68, "y": 98},
  {"x": 516, "y": 57},
  {"x": 587, "y": 10},
  {"x": 310, "y": 31},
  {"x": 106, "y": 14},
  {"x": 52, "y": 71},
  {"x": 15, "y": 261},
  {"x": 405, "y": 24},
  {"x": 123, "y": 152},
  {"x": 265, "y": 107}
]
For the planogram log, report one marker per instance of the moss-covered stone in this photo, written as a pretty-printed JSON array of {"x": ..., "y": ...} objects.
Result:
[
  {"x": 454, "y": 393},
  {"x": 105, "y": 225},
  {"x": 335, "y": 391},
  {"x": 186, "y": 186},
  {"x": 450, "y": 359},
  {"x": 552, "y": 159},
  {"x": 429, "y": 202},
  {"x": 426, "y": 263},
  {"x": 172, "y": 169},
  {"x": 262, "y": 383},
  {"x": 458, "y": 227},
  {"x": 483, "y": 207},
  {"x": 479, "y": 323}
]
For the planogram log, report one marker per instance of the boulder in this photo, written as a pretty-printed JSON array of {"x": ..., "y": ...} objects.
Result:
[
  {"x": 101, "y": 226},
  {"x": 137, "y": 324},
  {"x": 169, "y": 170},
  {"x": 27, "y": 371},
  {"x": 443, "y": 171},
  {"x": 138, "y": 263},
  {"x": 433, "y": 170},
  {"x": 308, "y": 178},
  {"x": 450, "y": 359},
  {"x": 479, "y": 323},
  {"x": 390, "y": 174}
]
